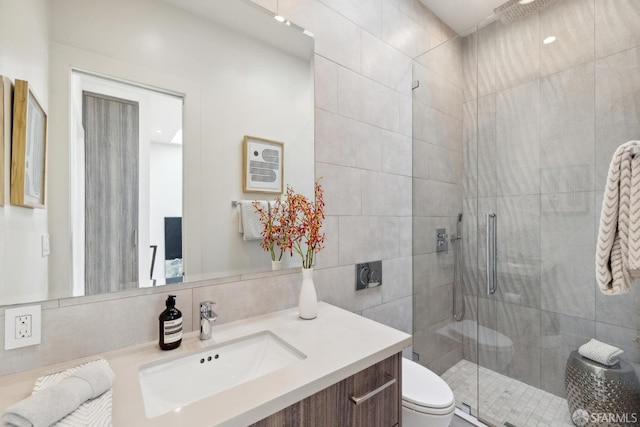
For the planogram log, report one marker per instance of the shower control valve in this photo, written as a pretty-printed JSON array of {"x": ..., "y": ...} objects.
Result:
[{"x": 442, "y": 245}]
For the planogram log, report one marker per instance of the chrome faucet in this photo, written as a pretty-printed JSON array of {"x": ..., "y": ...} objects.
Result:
[{"x": 207, "y": 317}]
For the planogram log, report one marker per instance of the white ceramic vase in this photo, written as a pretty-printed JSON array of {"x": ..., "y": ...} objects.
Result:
[
  {"x": 276, "y": 265},
  {"x": 308, "y": 302}
]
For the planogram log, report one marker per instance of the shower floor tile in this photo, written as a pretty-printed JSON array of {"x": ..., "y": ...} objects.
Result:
[{"x": 505, "y": 400}]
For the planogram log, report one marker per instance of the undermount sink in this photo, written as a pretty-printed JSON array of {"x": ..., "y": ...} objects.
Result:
[{"x": 169, "y": 385}]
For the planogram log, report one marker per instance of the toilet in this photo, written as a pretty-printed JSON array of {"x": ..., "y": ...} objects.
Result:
[{"x": 427, "y": 400}]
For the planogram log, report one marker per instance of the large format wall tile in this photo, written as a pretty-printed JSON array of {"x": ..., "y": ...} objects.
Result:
[
  {"x": 470, "y": 148},
  {"x": 624, "y": 337},
  {"x": 616, "y": 26},
  {"x": 366, "y": 13},
  {"x": 433, "y": 198},
  {"x": 560, "y": 335},
  {"x": 444, "y": 165},
  {"x": 386, "y": 194},
  {"x": 619, "y": 310},
  {"x": 571, "y": 22},
  {"x": 365, "y": 100},
  {"x": 487, "y": 156},
  {"x": 568, "y": 248},
  {"x": 518, "y": 259},
  {"x": 397, "y": 279},
  {"x": 522, "y": 326},
  {"x": 402, "y": 32},
  {"x": 397, "y": 314},
  {"x": 396, "y": 153},
  {"x": 336, "y": 37},
  {"x": 325, "y": 84},
  {"x": 437, "y": 92},
  {"x": 518, "y": 140},
  {"x": 517, "y": 59},
  {"x": 567, "y": 136},
  {"x": 385, "y": 64},
  {"x": 436, "y": 127},
  {"x": 341, "y": 199},
  {"x": 617, "y": 106},
  {"x": 487, "y": 46},
  {"x": 470, "y": 66},
  {"x": 344, "y": 141}
]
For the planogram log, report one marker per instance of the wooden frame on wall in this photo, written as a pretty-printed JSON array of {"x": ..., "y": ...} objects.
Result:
[
  {"x": 262, "y": 165},
  {"x": 2, "y": 173},
  {"x": 28, "y": 148}
]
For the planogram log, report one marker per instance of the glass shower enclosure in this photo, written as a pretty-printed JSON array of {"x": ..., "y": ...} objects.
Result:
[{"x": 514, "y": 126}]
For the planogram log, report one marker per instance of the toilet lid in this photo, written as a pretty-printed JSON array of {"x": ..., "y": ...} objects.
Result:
[{"x": 422, "y": 387}]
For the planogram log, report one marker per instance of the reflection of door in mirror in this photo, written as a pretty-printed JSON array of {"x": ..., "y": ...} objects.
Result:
[
  {"x": 111, "y": 192},
  {"x": 128, "y": 153}
]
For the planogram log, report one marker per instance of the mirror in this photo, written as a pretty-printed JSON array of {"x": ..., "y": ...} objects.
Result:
[{"x": 239, "y": 71}]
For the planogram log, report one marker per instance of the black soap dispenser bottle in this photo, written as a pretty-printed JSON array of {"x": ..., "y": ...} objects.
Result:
[{"x": 170, "y": 335}]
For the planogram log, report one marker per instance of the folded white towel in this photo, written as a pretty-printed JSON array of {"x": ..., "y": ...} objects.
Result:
[
  {"x": 251, "y": 219},
  {"x": 57, "y": 396},
  {"x": 600, "y": 352}
]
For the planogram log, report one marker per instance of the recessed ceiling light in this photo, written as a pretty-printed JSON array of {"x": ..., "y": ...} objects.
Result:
[
  {"x": 279, "y": 18},
  {"x": 549, "y": 40},
  {"x": 158, "y": 131},
  {"x": 526, "y": 1}
]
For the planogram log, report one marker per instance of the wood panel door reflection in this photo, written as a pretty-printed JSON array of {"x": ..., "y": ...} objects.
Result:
[{"x": 111, "y": 128}]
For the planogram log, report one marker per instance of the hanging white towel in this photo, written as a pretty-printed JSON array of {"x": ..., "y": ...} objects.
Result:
[
  {"x": 600, "y": 352},
  {"x": 251, "y": 225},
  {"x": 618, "y": 249}
]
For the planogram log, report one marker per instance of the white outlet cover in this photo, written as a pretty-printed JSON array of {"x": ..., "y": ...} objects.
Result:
[{"x": 10, "y": 316}]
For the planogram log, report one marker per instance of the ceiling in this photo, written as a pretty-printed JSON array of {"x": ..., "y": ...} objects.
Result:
[{"x": 461, "y": 15}]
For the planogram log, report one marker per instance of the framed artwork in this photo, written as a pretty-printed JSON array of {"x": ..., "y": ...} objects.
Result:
[
  {"x": 28, "y": 148},
  {"x": 263, "y": 165},
  {"x": 2, "y": 175}
]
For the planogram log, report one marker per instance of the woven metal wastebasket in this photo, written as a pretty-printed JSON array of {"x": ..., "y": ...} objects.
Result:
[{"x": 599, "y": 389}]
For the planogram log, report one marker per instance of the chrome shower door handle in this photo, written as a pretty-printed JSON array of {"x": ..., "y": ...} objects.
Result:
[{"x": 492, "y": 263}]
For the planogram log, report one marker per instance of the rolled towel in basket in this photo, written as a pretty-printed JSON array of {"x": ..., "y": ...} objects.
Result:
[
  {"x": 600, "y": 352},
  {"x": 47, "y": 406}
]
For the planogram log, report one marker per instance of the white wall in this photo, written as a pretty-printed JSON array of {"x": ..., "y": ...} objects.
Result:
[
  {"x": 24, "y": 53},
  {"x": 234, "y": 86}
]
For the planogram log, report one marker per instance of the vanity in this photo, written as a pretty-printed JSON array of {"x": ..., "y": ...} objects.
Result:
[{"x": 346, "y": 372}]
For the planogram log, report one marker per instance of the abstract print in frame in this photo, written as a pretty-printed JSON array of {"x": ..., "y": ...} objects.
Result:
[{"x": 263, "y": 165}]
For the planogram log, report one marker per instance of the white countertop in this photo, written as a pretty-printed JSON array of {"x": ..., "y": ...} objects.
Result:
[{"x": 337, "y": 344}]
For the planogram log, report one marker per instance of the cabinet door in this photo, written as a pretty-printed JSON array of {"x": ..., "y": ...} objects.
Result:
[
  {"x": 379, "y": 404},
  {"x": 378, "y": 389}
]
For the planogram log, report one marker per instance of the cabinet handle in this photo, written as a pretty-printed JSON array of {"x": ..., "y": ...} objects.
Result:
[{"x": 360, "y": 399}]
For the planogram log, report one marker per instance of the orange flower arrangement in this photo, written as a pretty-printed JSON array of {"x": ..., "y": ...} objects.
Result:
[
  {"x": 303, "y": 220},
  {"x": 273, "y": 233},
  {"x": 294, "y": 225}
]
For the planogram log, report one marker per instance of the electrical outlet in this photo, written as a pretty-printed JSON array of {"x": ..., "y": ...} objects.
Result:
[
  {"x": 45, "y": 245},
  {"x": 22, "y": 326}
]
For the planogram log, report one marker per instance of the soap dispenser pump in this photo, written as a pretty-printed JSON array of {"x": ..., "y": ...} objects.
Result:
[{"x": 170, "y": 336}]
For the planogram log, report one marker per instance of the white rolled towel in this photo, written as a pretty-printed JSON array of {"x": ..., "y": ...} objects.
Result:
[
  {"x": 600, "y": 352},
  {"x": 47, "y": 406}
]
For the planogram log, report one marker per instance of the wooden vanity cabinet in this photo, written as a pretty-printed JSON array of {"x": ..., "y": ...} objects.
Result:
[{"x": 379, "y": 387}]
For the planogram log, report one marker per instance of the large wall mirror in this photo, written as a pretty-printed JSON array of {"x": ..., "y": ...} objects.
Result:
[{"x": 226, "y": 69}]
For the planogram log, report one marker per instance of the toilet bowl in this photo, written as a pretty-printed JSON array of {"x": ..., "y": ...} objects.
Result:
[{"x": 427, "y": 400}]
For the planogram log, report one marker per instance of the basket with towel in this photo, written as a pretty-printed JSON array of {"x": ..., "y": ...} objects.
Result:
[{"x": 79, "y": 396}]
